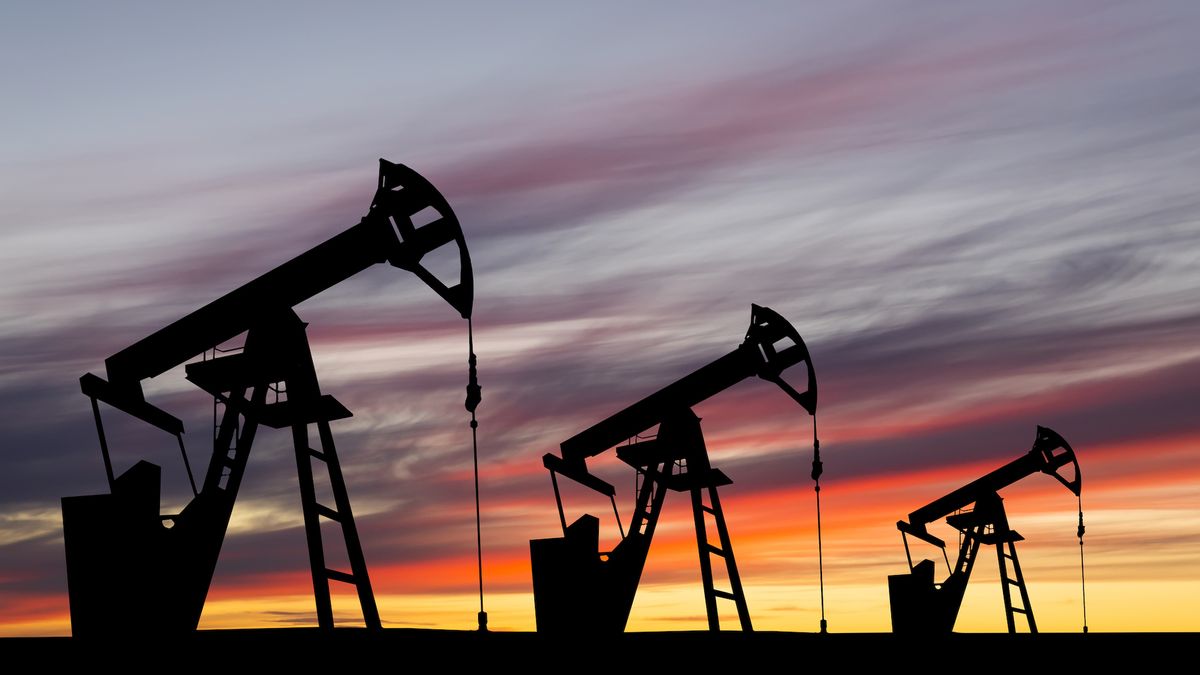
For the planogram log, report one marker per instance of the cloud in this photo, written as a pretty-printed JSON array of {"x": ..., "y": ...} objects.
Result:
[{"x": 975, "y": 234}]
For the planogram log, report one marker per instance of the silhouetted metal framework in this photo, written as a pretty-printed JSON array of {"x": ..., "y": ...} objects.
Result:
[
  {"x": 977, "y": 512},
  {"x": 127, "y": 565},
  {"x": 576, "y": 587}
]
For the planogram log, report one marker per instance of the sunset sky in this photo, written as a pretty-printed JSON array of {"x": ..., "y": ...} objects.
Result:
[{"x": 980, "y": 221}]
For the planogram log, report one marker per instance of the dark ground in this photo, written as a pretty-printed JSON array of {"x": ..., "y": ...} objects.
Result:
[{"x": 409, "y": 650}]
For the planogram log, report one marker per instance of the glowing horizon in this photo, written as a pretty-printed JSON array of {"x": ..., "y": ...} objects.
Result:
[
  {"x": 980, "y": 222},
  {"x": 778, "y": 562}
]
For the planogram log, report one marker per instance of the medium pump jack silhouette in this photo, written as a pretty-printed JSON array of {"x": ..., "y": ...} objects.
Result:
[
  {"x": 130, "y": 567},
  {"x": 576, "y": 587},
  {"x": 977, "y": 512}
]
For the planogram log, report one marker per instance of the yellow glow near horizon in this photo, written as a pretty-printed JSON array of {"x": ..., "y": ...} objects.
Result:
[{"x": 1141, "y": 553}]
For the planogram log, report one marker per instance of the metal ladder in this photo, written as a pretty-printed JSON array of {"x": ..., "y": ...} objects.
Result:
[
  {"x": 1017, "y": 580},
  {"x": 725, "y": 551},
  {"x": 968, "y": 549},
  {"x": 233, "y": 437},
  {"x": 340, "y": 513}
]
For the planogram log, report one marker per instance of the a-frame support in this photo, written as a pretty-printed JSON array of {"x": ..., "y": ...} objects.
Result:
[{"x": 277, "y": 365}]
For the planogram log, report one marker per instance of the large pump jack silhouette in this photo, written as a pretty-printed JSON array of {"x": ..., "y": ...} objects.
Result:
[
  {"x": 578, "y": 588},
  {"x": 127, "y": 565}
]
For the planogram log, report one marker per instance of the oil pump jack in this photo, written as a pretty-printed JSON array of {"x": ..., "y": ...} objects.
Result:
[
  {"x": 576, "y": 587},
  {"x": 129, "y": 566},
  {"x": 977, "y": 512}
]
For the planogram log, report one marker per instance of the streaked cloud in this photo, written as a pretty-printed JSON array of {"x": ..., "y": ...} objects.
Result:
[{"x": 979, "y": 224}]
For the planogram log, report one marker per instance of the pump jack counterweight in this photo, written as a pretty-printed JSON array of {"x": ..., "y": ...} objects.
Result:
[{"x": 125, "y": 568}]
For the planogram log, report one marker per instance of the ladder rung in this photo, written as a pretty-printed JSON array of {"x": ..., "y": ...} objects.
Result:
[
  {"x": 724, "y": 594},
  {"x": 335, "y": 575},
  {"x": 1018, "y": 609},
  {"x": 316, "y": 454},
  {"x": 329, "y": 513},
  {"x": 707, "y": 509},
  {"x": 1014, "y": 582},
  {"x": 715, "y": 551}
]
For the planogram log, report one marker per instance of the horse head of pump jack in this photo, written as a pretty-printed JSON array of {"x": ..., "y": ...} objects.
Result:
[
  {"x": 422, "y": 221},
  {"x": 769, "y": 334}
]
